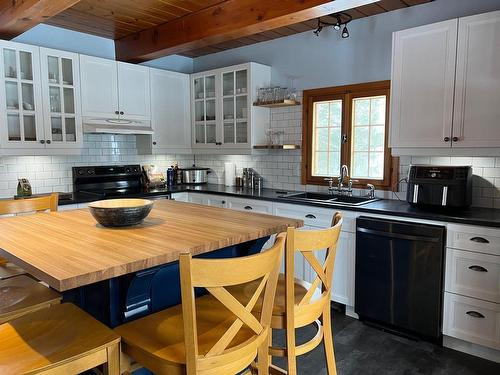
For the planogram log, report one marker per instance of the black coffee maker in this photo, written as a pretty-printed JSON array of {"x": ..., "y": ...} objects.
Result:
[{"x": 439, "y": 186}]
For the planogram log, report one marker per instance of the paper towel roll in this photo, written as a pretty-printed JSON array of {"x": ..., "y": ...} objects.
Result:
[{"x": 229, "y": 174}]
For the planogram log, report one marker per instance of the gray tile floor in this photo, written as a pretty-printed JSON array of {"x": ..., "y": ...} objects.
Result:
[{"x": 364, "y": 350}]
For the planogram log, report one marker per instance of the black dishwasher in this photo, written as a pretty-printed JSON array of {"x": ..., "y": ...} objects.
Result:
[{"x": 399, "y": 275}]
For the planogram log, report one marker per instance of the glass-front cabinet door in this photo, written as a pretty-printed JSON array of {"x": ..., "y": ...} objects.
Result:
[
  {"x": 205, "y": 116},
  {"x": 235, "y": 93},
  {"x": 61, "y": 98},
  {"x": 21, "y": 122}
]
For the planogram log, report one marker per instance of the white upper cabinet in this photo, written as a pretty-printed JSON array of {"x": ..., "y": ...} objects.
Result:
[
  {"x": 61, "y": 98},
  {"x": 170, "y": 114},
  {"x": 445, "y": 85},
  {"x": 422, "y": 87},
  {"x": 113, "y": 89},
  {"x": 477, "y": 105},
  {"x": 99, "y": 87},
  {"x": 224, "y": 119},
  {"x": 21, "y": 118},
  {"x": 134, "y": 94}
]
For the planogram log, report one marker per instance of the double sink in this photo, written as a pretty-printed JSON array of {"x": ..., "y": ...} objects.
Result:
[{"x": 329, "y": 198}]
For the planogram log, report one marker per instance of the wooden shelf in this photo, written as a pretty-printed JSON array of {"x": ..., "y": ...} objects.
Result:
[
  {"x": 277, "y": 147},
  {"x": 285, "y": 103}
]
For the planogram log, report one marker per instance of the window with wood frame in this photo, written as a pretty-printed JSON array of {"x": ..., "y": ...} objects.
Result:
[{"x": 347, "y": 125}]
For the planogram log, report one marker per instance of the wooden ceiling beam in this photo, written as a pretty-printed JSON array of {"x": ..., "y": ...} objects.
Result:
[
  {"x": 223, "y": 22},
  {"x": 17, "y": 16}
]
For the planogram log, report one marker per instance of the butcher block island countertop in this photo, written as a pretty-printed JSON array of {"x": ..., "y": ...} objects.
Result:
[{"x": 69, "y": 249}]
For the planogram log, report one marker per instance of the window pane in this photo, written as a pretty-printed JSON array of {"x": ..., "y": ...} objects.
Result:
[
  {"x": 376, "y": 167},
  {"x": 322, "y": 139},
  {"x": 336, "y": 113},
  {"x": 368, "y": 142},
  {"x": 334, "y": 164},
  {"x": 378, "y": 111},
  {"x": 321, "y": 163},
  {"x": 335, "y": 139},
  {"x": 361, "y": 138},
  {"x": 322, "y": 111},
  {"x": 377, "y": 134},
  {"x": 360, "y": 164},
  {"x": 327, "y": 123},
  {"x": 361, "y": 111}
]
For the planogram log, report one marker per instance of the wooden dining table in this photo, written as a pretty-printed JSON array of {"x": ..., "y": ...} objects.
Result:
[{"x": 69, "y": 249}]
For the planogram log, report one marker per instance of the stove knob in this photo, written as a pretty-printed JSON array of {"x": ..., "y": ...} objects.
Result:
[
  {"x": 90, "y": 171},
  {"x": 433, "y": 174},
  {"x": 127, "y": 170},
  {"x": 81, "y": 171}
]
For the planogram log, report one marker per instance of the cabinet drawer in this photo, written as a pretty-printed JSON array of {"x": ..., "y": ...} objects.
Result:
[
  {"x": 250, "y": 205},
  {"x": 473, "y": 274},
  {"x": 473, "y": 238},
  {"x": 472, "y": 320},
  {"x": 312, "y": 216}
]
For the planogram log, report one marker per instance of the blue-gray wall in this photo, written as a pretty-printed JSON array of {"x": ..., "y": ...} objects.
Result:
[
  {"x": 329, "y": 60},
  {"x": 312, "y": 61},
  {"x": 74, "y": 41}
]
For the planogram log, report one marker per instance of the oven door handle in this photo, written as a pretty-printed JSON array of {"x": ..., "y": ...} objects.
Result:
[{"x": 398, "y": 235}]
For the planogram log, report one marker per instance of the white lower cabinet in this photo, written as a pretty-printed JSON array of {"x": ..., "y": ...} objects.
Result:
[
  {"x": 318, "y": 218},
  {"x": 472, "y": 320},
  {"x": 262, "y": 207},
  {"x": 181, "y": 197},
  {"x": 472, "y": 287},
  {"x": 473, "y": 274},
  {"x": 207, "y": 199}
]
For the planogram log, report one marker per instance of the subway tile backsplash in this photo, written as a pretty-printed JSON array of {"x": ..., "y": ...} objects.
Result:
[{"x": 280, "y": 168}]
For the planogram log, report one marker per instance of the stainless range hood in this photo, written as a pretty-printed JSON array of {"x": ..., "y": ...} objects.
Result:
[{"x": 116, "y": 126}]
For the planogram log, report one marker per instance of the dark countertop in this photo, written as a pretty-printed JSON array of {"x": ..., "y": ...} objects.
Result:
[{"x": 473, "y": 215}]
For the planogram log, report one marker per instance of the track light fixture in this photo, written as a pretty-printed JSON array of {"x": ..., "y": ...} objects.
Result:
[
  {"x": 345, "y": 33},
  {"x": 341, "y": 19}
]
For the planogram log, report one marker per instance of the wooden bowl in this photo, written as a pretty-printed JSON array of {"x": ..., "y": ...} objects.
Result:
[{"x": 120, "y": 212}]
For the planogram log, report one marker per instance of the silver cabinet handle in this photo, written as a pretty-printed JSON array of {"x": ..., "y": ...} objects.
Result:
[
  {"x": 475, "y": 314},
  {"x": 479, "y": 240},
  {"x": 478, "y": 268},
  {"x": 248, "y": 208},
  {"x": 310, "y": 216}
]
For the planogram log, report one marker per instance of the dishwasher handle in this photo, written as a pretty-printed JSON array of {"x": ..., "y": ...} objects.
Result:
[{"x": 400, "y": 236}]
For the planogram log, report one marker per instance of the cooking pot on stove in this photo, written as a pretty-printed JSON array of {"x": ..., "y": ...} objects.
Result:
[{"x": 195, "y": 175}]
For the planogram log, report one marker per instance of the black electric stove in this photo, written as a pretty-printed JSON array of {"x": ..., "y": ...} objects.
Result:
[{"x": 113, "y": 181}]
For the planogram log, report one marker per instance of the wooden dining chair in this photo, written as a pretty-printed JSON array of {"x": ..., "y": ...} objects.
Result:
[
  {"x": 22, "y": 295},
  {"x": 23, "y": 206},
  {"x": 299, "y": 303},
  {"x": 61, "y": 339},
  {"x": 212, "y": 334}
]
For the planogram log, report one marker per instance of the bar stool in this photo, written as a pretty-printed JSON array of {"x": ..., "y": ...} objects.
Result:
[
  {"x": 61, "y": 339},
  {"x": 299, "y": 303},
  {"x": 21, "y": 206},
  {"x": 212, "y": 334}
]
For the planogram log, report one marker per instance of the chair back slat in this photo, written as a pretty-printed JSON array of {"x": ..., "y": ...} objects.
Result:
[
  {"x": 20, "y": 206},
  {"x": 215, "y": 275},
  {"x": 307, "y": 243}
]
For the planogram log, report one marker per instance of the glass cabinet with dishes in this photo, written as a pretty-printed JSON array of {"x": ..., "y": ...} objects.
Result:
[
  {"x": 222, "y": 112},
  {"x": 204, "y": 109},
  {"x": 39, "y": 100},
  {"x": 21, "y": 122},
  {"x": 61, "y": 98}
]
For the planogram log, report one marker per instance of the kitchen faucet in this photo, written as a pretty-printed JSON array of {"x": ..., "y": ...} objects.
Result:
[{"x": 344, "y": 172}]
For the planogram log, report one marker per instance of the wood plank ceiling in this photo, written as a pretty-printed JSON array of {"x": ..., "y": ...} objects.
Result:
[{"x": 116, "y": 19}]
